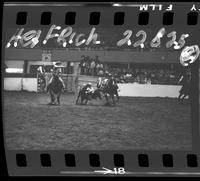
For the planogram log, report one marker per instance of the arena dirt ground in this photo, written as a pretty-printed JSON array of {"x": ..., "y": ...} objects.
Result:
[{"x": 134, "y": 123}]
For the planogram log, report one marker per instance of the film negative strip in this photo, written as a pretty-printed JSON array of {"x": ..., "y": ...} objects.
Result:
[{"x": 106, "y": 89}]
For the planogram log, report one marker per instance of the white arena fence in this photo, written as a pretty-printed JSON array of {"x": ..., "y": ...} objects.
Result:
[
  {"x": 125, "y": 89},
  {"x": 149, "y": 90},
  {"x": 19, "y": 84}
]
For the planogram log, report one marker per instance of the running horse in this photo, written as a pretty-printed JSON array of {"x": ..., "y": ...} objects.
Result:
[
  {"x": 55, "y": 88},
  {"x": 110, "y": 88}
]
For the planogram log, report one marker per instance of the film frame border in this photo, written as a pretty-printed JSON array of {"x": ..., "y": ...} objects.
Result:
[{"x": 127, "y": 154}]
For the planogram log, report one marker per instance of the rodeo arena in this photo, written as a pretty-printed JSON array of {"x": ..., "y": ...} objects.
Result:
[{"x": 93, "y": 98}]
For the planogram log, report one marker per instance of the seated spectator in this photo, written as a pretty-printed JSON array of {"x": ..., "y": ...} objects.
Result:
[{"x": 92, "y": 66}]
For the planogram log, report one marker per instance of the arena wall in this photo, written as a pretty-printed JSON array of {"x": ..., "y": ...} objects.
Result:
[
  {"x": 13, "y": 84},
  {"x": 19, "y": 84},
  {"x": 29, "y": 84},
  {"x": 148, "y": 90},
  {"x": 130, "y": 90}
]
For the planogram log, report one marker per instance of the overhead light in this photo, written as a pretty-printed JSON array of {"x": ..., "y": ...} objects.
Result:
[{"x": 14, "y": 70}]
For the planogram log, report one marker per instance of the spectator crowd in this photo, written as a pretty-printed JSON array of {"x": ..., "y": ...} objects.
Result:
[
  {"x": 145, "y": 76},
  {"x": 90, "y": 66},
  {"x": 93, "y": 67}
]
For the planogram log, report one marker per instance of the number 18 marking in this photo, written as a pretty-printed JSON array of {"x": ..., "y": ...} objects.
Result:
[{"x": 119, "y": 170}]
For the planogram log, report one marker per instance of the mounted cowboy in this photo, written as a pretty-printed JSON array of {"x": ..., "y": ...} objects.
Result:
[
  {"x": 108, "y": 86},
  {"x": 56, "y": 84},
  {"x": 102, "y": 82},
  {"x": 56, "y": 71}
]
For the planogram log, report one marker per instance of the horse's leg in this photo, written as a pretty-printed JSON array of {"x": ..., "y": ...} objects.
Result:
[
  {"x": 53, "y": 100},
  {"x": 82, "y": 99},
  {"x": 185, "y": 95},
  {"x": 113, "y": 99},
  {"x": 182, "y": 98},
  {"x": 58, "y": 99},
  {"x": 180, "y": 95},
  {"x": 100, "y": 96},
  {"x": 117, "y": 96},
  {"x": 78, "y": 97},
  {"x": 51, "y": 97},
  {"x": 48, "y": 87},
  {"x": 107, "y": 102}
]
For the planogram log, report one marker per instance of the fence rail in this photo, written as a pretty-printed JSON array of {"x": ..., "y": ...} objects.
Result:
[{"x": 74, "y": 83}]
